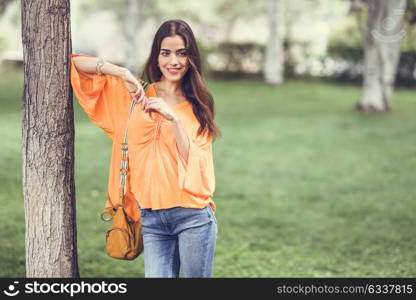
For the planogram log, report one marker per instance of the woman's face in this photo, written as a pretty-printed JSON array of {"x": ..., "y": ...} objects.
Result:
[{"x": 173, "y": 59}]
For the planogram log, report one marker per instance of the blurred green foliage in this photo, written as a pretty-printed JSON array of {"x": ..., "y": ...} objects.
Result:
[
  {"x": 346, "y": 41},
  {"x": 236, "y": 60}
]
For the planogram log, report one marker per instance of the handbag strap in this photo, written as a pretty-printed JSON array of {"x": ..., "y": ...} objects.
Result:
[{"x": 125, "y": 153}]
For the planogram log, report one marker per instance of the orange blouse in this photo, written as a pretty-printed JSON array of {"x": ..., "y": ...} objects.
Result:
[{"x": 158, "y": 176}]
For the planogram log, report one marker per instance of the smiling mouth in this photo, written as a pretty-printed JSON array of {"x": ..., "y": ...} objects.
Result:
[{"x": 174, "y": 70}]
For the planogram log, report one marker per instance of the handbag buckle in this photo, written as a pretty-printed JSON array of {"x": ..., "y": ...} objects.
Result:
[{"x": 109, "y": 211}]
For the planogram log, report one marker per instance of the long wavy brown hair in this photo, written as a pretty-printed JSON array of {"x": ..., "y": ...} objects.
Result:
[{"x": 192, "y": 84}]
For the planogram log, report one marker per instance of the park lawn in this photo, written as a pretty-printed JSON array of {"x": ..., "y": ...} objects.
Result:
[{"x": 305, "y": 185}]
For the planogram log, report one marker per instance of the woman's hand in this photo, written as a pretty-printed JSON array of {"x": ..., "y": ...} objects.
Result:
[
  {"x": 159, "y": 105},
  {"x": 134, "y": 87}
]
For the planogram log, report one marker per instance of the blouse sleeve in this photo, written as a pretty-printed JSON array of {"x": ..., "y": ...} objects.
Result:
[
  {"x": 103, "y": 97},
  {"x": 197, "y": 175}
]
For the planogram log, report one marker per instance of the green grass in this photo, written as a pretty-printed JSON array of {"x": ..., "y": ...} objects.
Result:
[{"x": 305, "y": 185}]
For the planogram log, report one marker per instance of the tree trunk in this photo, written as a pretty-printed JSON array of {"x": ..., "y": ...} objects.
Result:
[
  {"x": 381, "y": 54},
  {"x": 131, "y": 24},
  {"x": 273, "y": 63},
  {"x": 48, "y": 140}
]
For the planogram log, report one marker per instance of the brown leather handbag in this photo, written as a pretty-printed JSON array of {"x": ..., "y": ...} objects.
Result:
[{"x": 124, "y": 238}]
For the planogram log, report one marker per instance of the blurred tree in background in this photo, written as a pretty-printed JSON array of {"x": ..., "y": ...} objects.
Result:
[
  {"x": 3, "y": 5},
  {"x": 273, "y": 62},
  {"x": 131, "y": 14},
  {"x": 381, "y": 53},
  {"x": 348, "y": 53}
]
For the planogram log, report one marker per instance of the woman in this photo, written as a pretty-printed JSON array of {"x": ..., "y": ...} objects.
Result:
[{"x": 170, "y": 133}]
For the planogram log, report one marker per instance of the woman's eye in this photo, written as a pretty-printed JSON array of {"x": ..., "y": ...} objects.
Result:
[{"x": 179, "y": 54}]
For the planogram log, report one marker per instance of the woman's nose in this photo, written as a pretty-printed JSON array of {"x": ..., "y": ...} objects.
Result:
[{"x": 173, "y": 60}]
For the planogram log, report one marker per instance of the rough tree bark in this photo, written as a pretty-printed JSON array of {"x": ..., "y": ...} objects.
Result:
[
  {"x": 273, "y": 62},
  {"x": 48, "y": 140},
  {"x": 381, "y": 53}
]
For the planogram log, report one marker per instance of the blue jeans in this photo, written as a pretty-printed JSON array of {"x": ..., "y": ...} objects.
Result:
[{"x": 178, "y": 238}]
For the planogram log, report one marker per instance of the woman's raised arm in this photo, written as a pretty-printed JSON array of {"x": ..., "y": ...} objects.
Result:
[{"x": 88, "y": 64}]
